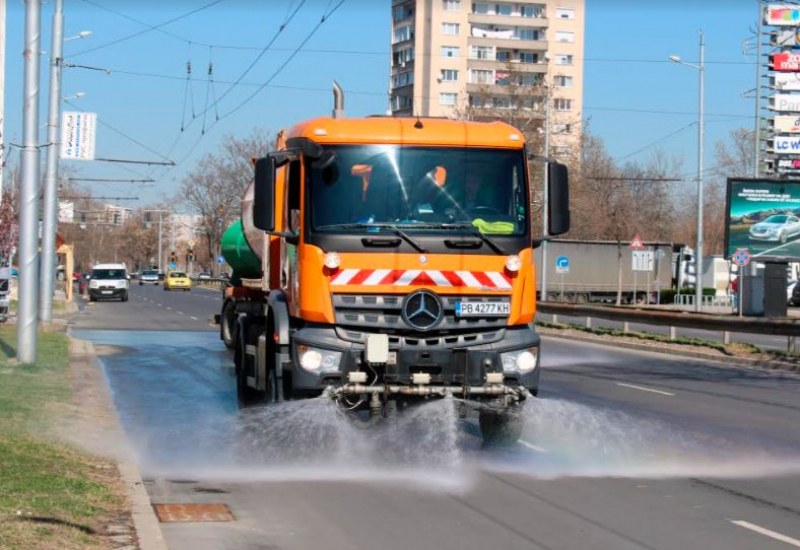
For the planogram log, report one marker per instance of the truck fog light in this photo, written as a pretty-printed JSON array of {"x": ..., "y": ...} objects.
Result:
[
  {"x": 522, "y": 361},
  {"x": 526, "y": 361},
  {"x": 311, "y": 359},
  {"x": 333, "y": 260},
  {"x": 513, "y": 263}
]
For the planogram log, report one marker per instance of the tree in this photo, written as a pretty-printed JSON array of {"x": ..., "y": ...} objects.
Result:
[{"x": 215, "y": 187}]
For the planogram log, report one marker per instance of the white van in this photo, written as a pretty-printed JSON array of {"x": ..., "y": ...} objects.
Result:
[{"x": 109, "y": 281}]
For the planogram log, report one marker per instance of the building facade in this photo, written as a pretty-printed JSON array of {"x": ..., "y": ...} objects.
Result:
[{"x": 452, "y": 57}]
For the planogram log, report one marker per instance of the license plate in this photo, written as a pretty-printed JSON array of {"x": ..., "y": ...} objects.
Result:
[
  {"x": 482, "y": 309},
  {"x": 106, "y": 292}
]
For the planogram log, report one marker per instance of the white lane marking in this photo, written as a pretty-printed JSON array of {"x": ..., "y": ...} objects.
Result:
[
  {"x": 642, "y": 388},
  {"x": 533, "y": 447},
  {"x": 169, "y": 308},
  {"x": 180, "y": 313},
  {"x": 194, "y": 318},
  {"x": 766, "y": 532}
]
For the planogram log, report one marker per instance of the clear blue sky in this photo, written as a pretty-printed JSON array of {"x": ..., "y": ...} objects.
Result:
[{"x": 633, "y": 96}]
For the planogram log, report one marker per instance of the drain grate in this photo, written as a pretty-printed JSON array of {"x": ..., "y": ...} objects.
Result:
[{"x": 190, "y": 512}]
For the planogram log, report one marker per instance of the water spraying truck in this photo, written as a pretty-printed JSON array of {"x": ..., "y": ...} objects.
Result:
[{"x": 381, "y": 262}]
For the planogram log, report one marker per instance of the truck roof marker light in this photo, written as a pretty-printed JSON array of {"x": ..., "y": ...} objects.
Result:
[
  {"x": 513, "y": 263},
  {"x": 514, "y": 137},
  {"x": 332, "y": 260},
  {"x": 320, "y": 132}
]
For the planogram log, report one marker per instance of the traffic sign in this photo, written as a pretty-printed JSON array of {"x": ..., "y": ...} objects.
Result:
[
  {"x": 741, "y": 257},
  {"x": 637, "y": 243},
  {"x": 562, "y": 264},
  {"x": 220, "y": 260},
  {"x": 172, "y": 265}
]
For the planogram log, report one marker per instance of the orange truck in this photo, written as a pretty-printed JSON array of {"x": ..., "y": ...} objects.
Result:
[{"x": 382, "y": 262}]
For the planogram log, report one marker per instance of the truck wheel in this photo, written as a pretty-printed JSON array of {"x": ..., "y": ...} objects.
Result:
[
  {"x": 124, "y": 297},
  {"x": 227, "y": 324},
  {"x": 500, "y": 427}
]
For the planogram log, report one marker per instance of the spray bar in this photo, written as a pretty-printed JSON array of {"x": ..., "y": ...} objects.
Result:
[{"x": 441, "y": 391}]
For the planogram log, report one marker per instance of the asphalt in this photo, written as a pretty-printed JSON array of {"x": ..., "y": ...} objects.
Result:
[{"x": 148, "y": 530}]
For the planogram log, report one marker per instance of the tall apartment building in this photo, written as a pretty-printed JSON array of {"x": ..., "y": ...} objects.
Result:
[{"x": 455, "y": 56}]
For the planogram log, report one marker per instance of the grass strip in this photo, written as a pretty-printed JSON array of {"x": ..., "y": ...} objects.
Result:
[{"x": 51, "y": 495}]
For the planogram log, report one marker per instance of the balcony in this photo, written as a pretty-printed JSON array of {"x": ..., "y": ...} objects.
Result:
[
  {"x": 509, "y": 43},
  {"x": 499, "y": 89},
  {"x": 513, "y": 66},
  {"x": 508, "y": 20}
]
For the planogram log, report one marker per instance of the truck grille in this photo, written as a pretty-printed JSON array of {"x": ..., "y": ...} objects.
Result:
[
  {"x": 373, "y": 311},
  {"x": 398, "y": 341}
]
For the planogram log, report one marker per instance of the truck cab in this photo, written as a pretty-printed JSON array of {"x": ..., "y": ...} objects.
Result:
[{"x": 397, "y": 266}]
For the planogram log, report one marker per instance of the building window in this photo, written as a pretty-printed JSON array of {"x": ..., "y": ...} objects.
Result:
[
  {"x": 451, "y": 51},
  {"x": 481, "y": 52},
  {"x": 503, "y": 55},
  {"x": 451, "y": 28},
  {"x": 530, "y": 79},
  {"x": 401, "y": 34},
  {"x": 528, "y": 57},
  {"x": 448, "y": 98},
  {"x": 565, "y": 13},
  {"x": 524, "y": 33},
  {"x": 402, "y": 79},
  {"x": 562, "y": 104},
  {"x": 561, "y": 150},
  {"x": 565, "y": 36},
  {"x": 449, "y": 75},
  {"x": 563, "y": 81},
  {"x": 502, "y": 102},
  {"x": 503, "y": 9},
  {"x": 451, "y": 5},
  {"x": 563, "y": 59},
  {"x": 399, "y": 13},
  {"x": 480, "y": 8},
  {"x": 477, "y": 76},
  {"x": 401, "y": 102},
  {"x": 531, "y": 11},
  {"x": 401, "y": 57}
]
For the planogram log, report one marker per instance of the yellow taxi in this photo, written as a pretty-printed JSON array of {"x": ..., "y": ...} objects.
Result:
[{"x": 177, "y": 280}]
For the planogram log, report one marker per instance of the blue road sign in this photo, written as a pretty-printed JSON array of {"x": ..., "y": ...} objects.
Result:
[
  {"x": 562, "y": 264},
  {"x": 220, "y": 260},
  {"x": 172, "y": 265}
]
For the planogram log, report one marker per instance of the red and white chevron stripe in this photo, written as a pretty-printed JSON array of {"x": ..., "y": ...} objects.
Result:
[{"x": 422, "y": 277}]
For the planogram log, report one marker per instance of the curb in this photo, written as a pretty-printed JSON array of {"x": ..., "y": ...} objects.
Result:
[
  {"x": 611, "y": 341},
  {"x": 146, "y": 525}
]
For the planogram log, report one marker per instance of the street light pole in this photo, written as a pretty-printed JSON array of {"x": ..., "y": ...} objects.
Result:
[
  {"x": 545, "y": 205},
  {"x": 46, "y": 278},
  {"x": 698, "y": 296}
]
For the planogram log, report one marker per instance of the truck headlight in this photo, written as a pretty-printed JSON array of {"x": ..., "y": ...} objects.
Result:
[
  {"x": 318, "y": 360},
  {"x": 522, "y": 361}
]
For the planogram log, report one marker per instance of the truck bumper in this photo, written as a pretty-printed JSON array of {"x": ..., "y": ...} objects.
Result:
[{"x": 442, "y": 369}]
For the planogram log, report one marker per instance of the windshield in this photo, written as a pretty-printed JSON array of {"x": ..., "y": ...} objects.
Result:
[
  {"x": 776, "y": 219},
  {"x": 149, "y": 273},
  {"x": 177, "y": 274},
  {"x": 108, "y": 274},
  {"x": 415, "y": 187}
]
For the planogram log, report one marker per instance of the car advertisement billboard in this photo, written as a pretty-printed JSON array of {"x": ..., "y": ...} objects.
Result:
[
  {"x": 763, "y": 216},
  {"x": 782, "y": 15}
]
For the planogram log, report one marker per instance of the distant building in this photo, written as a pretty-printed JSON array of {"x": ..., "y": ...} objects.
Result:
[
  {"x": 450, "y": 56},
  {"x": 115, "y": 215}
]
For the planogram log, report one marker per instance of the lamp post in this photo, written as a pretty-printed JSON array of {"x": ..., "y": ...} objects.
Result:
[
  {"x": 701, "y": 68},
  {"x": 50, "y": 192},
  {"x": 160, "y": 233}
]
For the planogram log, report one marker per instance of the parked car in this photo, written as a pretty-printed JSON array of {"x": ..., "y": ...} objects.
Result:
[
  {"x": 177, "y": 280},
  {"x": 205, "y": 275},
  {"x": 794, "y": 298},
  {"x": 149, "y": 277},
  {"x": 778, "y": 227}
]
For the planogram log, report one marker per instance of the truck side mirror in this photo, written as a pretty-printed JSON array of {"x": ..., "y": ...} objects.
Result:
[
  {"x": 264, "y": 194},
  {"x": 558, "y": 199}
]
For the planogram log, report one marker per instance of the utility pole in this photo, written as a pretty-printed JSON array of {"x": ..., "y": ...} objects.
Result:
[
  {"x": 2, "y": 90},
  {"x": 46, "y": 280},
  {"x": 545, "y": 205},
  {"x": 29, "y": 190},
  {"x": 160, "y": 212}
]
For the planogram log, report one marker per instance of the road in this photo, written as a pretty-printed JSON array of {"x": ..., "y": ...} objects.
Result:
[{"x": 623, "y": 450}]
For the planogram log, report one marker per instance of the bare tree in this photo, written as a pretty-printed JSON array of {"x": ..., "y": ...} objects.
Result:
[{"x": 215, "y": 187}]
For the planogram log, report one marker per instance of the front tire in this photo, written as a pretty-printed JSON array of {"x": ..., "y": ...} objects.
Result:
[
  {"x": 501, "y": 427},
  {"x": 228, "y": 324}
]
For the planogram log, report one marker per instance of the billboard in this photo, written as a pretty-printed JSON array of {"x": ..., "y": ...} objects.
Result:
[
  {"x": 786, "y": 81},
  {"x": 78, "y": 135},
  {"x": 782, "y": 15},
  {"x": 786, "y": 102},
  {"x": 786, "y": 38},
  {"x": 763, "y": 216},
  {"x": 786, "y": 124},
  {"x": 784, "y": 61}
]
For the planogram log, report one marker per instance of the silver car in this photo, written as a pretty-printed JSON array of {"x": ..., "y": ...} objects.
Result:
[
  {"x": 778, "y": 227},
  {"x": 148, "y": 277}
]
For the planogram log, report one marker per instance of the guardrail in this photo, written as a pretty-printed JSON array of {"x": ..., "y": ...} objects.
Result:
[
  {"x": 212, "y": 282},
  {"x": 750, "y": 325}
]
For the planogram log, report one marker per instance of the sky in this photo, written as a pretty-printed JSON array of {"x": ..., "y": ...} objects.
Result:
[{"x": 135, "y": 78}]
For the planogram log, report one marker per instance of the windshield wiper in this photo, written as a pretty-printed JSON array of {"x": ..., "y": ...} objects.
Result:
[
  {"x": 475, "y": 231},
  {"x": 394, "y": 229}
]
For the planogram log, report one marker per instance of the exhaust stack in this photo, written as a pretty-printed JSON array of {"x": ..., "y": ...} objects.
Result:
[{"x": 338, "y": 101}]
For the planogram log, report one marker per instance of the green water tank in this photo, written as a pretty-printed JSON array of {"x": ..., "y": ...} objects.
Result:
[{"x": 237, "y": 252}]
